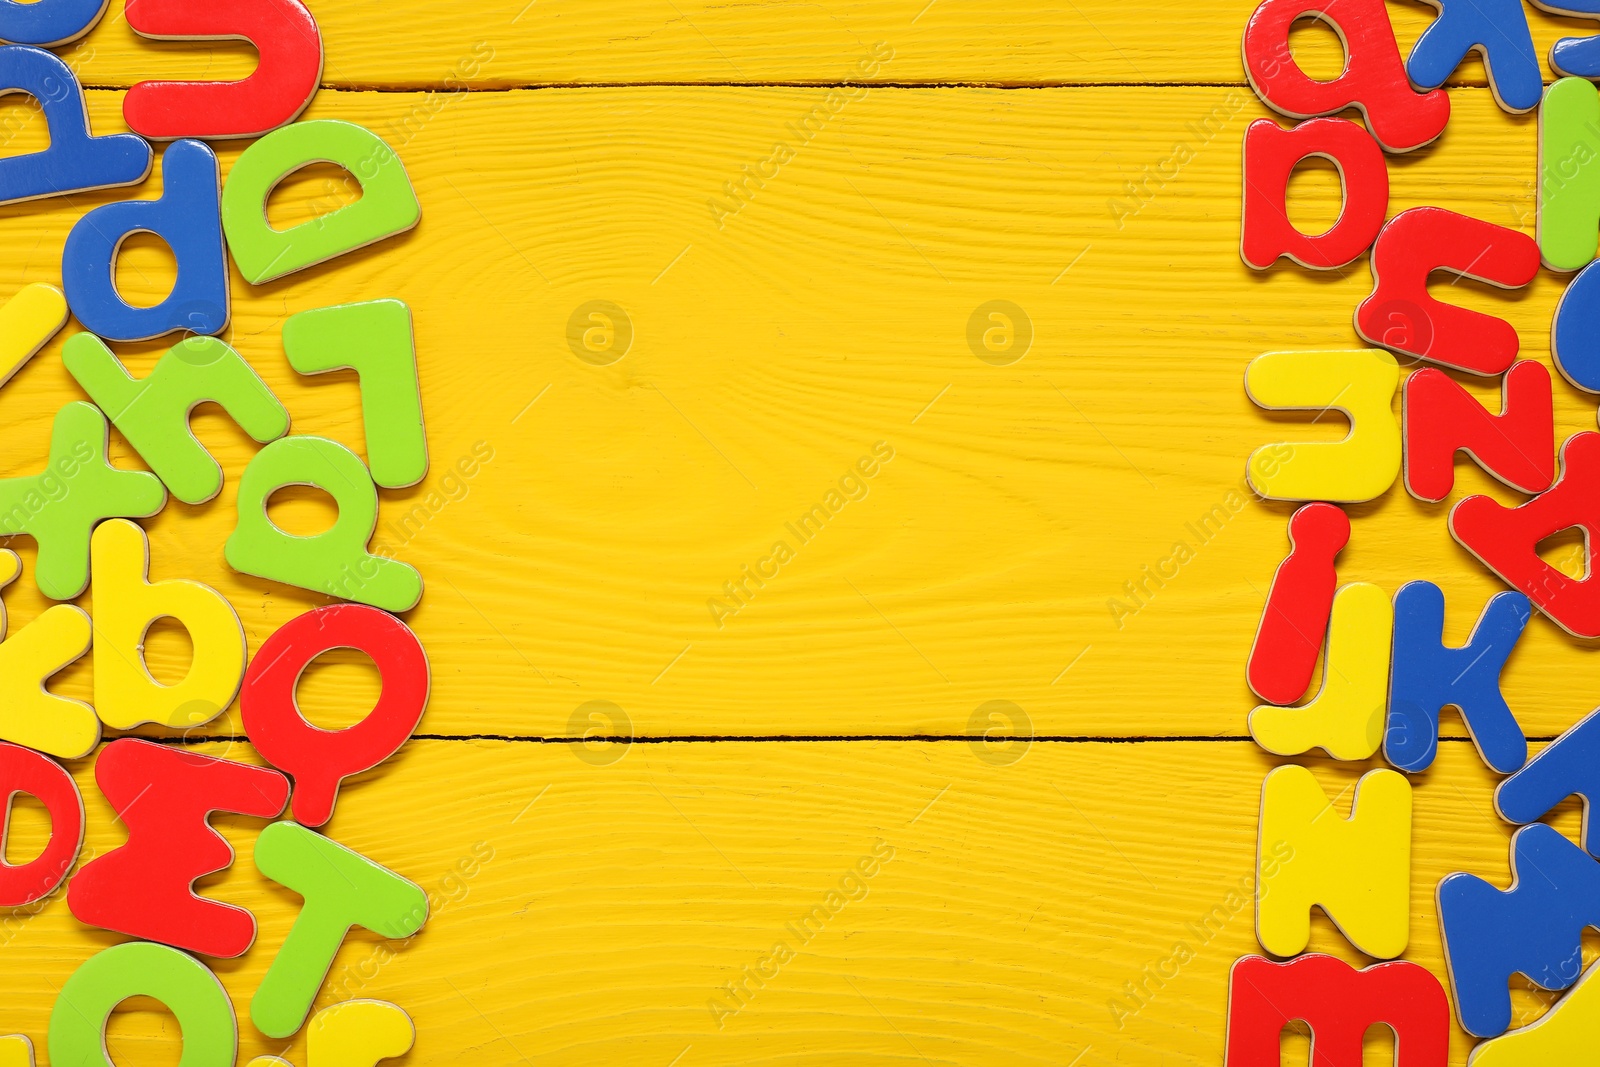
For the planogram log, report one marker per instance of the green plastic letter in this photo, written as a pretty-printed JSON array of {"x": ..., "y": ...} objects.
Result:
[
  {"x": 153, "y": 413},
  {"x": 388, "y": 205},
  {"x": 341, "y": 889},
  {"x": 137, "y": 968},
  {"x": 1569, "y": 174},
  {"x": 374, "y": 340}
]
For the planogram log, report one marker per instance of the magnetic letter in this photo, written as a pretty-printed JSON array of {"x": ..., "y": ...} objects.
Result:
[
  {"x": 335, "y": 561},
  {"x": 1295, "y": 617},
  {"x": 318, "y": 760},
  {"x": 374, "y": 340},
  {"x": 1270, "y": 155},
  {"x": 1535, "y": 928},
  {"x": 48, "y": 23},
  {"x": 282, "y": 31},
  {"x": 22, "y": 771},
  {"x": 1340, "y": 1004},
  {"x": 1574, "y": 57},
  {"x": 1373, "y": 78},
  {"x": 145, "y": 888},
  {"x": 153, "y": 412},
  {"x": 1569, "y": 174},
  {"x": 1360, "y": 384},
  {"x": 387, "y": 206},
  {"x": 1358, "y": 869},
  {"x": 1575, "y": 338},
  {"x": 27, "y": 322},
  {"x": 341, "y": 889},
  {"x": 1567, "y": 1033},
  {"x": 1568, "y": 766},
  {"x": 75, "y": 161},
  {"x": 182, "y": 983},
  {"x": 1402, "y": 316},
  {"x": 1498, "y": 31},
  {"x": 185, "y": 217},
  {"x": 126, "y": 604},
  {"x": 1428, "y": 675},
  {"x": 1506, "y": 540},
  {"x": 358, "y": 1033},
  {"x": 1517, "y": 446}
]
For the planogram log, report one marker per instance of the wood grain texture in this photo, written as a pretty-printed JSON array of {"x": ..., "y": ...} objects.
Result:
[
  {"x": 438, "y": 44},
  {"x": 771, "y": 354},
  {"x": 619, "y": 898}
]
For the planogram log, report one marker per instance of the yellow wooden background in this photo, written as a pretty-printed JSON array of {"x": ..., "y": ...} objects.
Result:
[{"x": 1031, "y": 879}]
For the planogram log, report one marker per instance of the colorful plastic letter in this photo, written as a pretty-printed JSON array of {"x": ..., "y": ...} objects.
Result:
[
  {"x": 27, "y": 322},
  {"x": 318, "y": 760},
  {"x": 1360, "y": 384},
  {"x": 75, "y": 161},
  {"x": 1567, "y": 1033},
  {"x": 185, "y": 217},
  {"x": 126, "y": 604},
  {"x": 1569, "y": 174},
  {"x": 1506, "y": 540},
  {"x": 48, "y": 23},
  {"x": 1534, "y": 928},
  {"x": 1575, "y": 336},
  {"x": 1428, "y": 675},
  {"x": 335, "y": 561},
  {"x": 1346, "y": 717},
  {"x": 1402, "y": 316},
  {"x": 30, "y": 715},
  {"x": 22, "y": 771},
  {"x": 374, "y": 340},
  {"x": 16, "y": 1050},
  {"x": 1340, "y": 1004},
  {"x": 1574, "y": 57},
  {"x": 1498, "y": 31},
  {"x": 1358, "y": 869},
  {"x": 282, "y": 31},
  {"x": 1271, "y": 154},
  {"x": 358, "y": 1033},
  {"x": 1568, "y": 766},
  {"x": 1373, "y": 78},
  {"x": 153, "y": 412},
  {"x": 1295, "y": 617},
  {"x": 341, "y": 889},
  {"x": 182, "y": 983},
  {"x": 145, "y": 888},
  {"x": 387, "y": 205},
  {"x": 78, "y": 487},
  {"x": 1517, "y": 446}
]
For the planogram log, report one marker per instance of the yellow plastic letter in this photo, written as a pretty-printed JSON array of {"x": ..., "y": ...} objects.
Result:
[
  {"x": 1358, "y": 869},
  {"x": 1568, "y": 1033},
  {"x": 126, "y": 603},
  {"x": 1361, "y": 384},
  {"x": 1346, "y": 717},
  {"x": 358, "y": 1033},
  {"x": 30, "y": 715}
]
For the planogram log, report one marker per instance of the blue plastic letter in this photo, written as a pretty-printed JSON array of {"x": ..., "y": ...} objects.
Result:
[
  {"x": 189, "y": 219},
  {"x": 48, "y": 22},
  {"x": 1498, "y": 29},
  {"x": 1568, "y": 766},
  {"x": 1427, "y": 675}
]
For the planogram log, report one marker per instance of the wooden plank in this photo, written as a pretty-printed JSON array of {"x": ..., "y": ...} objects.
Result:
[
  {"x": 515, "y": 43},
  {"x": 770, "y": 355},
  {"x": 617, "y": 899}
]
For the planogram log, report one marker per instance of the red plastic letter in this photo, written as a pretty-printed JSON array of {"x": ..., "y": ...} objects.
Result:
[
  {"x": 281, "y": 86},
  {"x": 1517, "y": 446},
  {"x": 1339, "y": 1003},
  {"x": 1506, "y": 540},
  {"x": 145, "y": 888},
  {"x": 318, "y": 760},
  {"x": 23, "y": 770},
  {"x": 1295, "y": 618},
  {"x": 1374, "y": 79},
  {"x": 1270, "y": 155},
  {"x": 1402, "y": 317}
]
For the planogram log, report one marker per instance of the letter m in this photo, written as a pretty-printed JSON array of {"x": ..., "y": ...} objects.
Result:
[
  {"x": 1535, "y": 928},
  {"x": 1339, "y": 1003}
]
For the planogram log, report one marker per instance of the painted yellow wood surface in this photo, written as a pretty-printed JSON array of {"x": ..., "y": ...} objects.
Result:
[
  {"x": 770, "y": 355},
  {"x": 443, "y": 44},
  {"x": 608, "y": 903}
]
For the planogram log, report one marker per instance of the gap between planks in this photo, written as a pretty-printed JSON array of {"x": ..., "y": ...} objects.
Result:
[{"x": 703, "y": 739}]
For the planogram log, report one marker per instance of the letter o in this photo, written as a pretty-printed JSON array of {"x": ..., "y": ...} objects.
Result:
[{"x": 181, "y": 982}]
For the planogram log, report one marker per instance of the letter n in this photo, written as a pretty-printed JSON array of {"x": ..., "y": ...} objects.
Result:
[{"x": 1358, "y": 869}]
